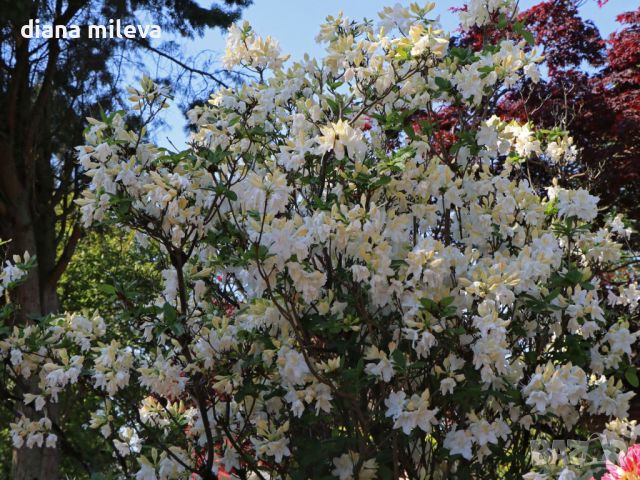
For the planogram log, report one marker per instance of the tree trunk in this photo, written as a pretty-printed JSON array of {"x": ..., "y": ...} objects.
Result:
[
  {"x": 33, "y": 233},
  {"x": 30, "y": 190}
]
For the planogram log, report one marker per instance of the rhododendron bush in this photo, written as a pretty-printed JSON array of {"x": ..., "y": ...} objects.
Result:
[{"x": 350, "y": 290}]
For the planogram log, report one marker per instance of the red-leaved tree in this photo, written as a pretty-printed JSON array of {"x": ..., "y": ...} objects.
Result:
[{"x": 592, "y": 89}]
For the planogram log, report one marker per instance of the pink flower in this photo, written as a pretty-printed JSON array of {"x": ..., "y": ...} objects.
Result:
[{"x": 629, "y": 468}]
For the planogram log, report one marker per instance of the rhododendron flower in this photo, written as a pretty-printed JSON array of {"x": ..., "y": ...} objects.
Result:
[{"x": 628, "y": 468}]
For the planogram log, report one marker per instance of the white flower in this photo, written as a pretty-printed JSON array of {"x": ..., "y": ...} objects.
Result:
[
  {"x": 341, "y": 136},
  {"x": 411, "y": 413},
  {"x": 395, "y": 404},
  {"x": 292, "y": 366},
  {"x": 383, "y": 369},
  {"x": 360, "y": 273},
  {"x": 309, "y": 284},
  {"x": 554, "y": 388},
  {"x": 459, "y": 442},
  {"x": 532, "y": 71},
  {"x": 447, "y": 385},
  {"x": 244, "y": 47},
  {"x": 427, "y": 40},
  {"x": 479, "y": 12},
  {"x": 170, "y": 278},
  {"x": 147, "y": 471},
  {"x": 618, "y": 227},
  {"x": 169, "y": 467},
  {"x": 276, "y": 445},
  {"x": 230, "y": 459},
  {"x": 483, "y": 432},
  {"x": 346, "y": 463},
  {"x": 128, "y": 441},
  {"x": 574, "y": 203},
  {"x": 163, "y": 377},
  {"x": 561, "y": 149},
  {"x": 395, "y": 17},
  {"x": 263, "y": 191},
  {"x": 52, "y": 440},
  {"x": 34, "y": 440},
  {"x": 567, "y": 474},
  {"x": 16, "y": 357}
]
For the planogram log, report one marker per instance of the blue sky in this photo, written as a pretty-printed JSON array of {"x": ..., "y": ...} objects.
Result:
[{"x": 294, "y": 23}]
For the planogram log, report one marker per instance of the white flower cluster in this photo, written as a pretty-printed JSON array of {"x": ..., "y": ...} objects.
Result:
[
  {"x": 480, "y": 12},
  {"x": 246, "y": 49},
  {"x": 557, "y": 390},
  {"x": 33, "y": 433},
  {"x": 407, "y": 414},
  {"x": 13, "y": 271},
  {"x": 574, "y": 203}
]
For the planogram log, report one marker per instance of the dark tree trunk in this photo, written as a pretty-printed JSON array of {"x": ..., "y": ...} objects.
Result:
[
  {"x": 28, "y": 216},
  {"x": 29, "y": 224}
]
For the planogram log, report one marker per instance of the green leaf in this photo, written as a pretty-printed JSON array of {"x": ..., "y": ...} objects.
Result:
[
  {"x": 4, "y": 330},
  {"x": 446, "y": 301},
  {"x": 169, "y": 312},
  {"x": 443, "y": 83},
  {"x": 588, "y": 286},
  {"x": 502, "y": 21},
  {"x": 518, "y": 27},
  {"x": 382, "y": 181},
  {"x": 107, "y": 289},
  {"x": 403, "y": 54},
  {"x": 574, "y": 277},
  {"x": 335, "y": 108},
  {"x": 528, "y": 36},
  {"x": 429, "y": 305},
  {"x": 399, "y": 360},
  {"x": 224, "y": 191},
  {"x": 631, "y": 374}
]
